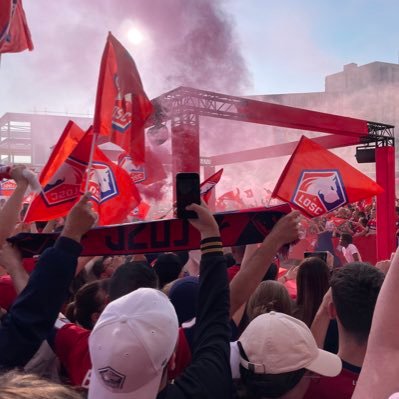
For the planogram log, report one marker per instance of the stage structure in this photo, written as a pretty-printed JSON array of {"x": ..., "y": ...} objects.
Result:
[{"x": 184, "y": 106}]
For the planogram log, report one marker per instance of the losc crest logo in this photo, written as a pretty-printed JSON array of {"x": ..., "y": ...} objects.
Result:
[
  {"x": 102, "y": 183},
  {"x": 319, "y": 191},
  {"x": 136, "y": 172},
  {"x": 122, "y": 112},
  {"x": 65, "y": 184}
]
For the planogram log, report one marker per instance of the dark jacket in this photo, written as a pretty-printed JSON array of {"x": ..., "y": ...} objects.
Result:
[
  {"x": 34, "y": 312},
  {"x": 209, "y": 374}
]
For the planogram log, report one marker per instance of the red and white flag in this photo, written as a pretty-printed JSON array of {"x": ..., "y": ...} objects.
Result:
[
  {"x": 122, "y": 107},
  {"x": 208, "y": 185},
  {"x": 114, "y": 194},
  {"x": 316, "y": 181},
  {"x": 66, "y": 144},
  {"x": 14, "y": 31},
  {"x": 147, "y": 173}
]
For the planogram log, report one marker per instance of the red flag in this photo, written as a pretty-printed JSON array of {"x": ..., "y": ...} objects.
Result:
[
  {"x": 141, "y": 211},
  {"x": 62, "y": 189},
  {"x": 317, "y": 181},
  {"x": 113, "y": 192},
  {"x": 207, "y": 186},
  {"x": 122, "y": 106},
  {"x": 148, "y": 173},
  {"x": 14, "y": 31},
  {"x": 233, "y": 197},
  {"x": 68, "y": 141}
]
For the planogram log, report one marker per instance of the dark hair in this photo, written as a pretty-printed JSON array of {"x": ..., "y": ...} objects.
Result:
[
  {"x": 347, "y": 238},
  {"x": 98, "y": 267},
  {"x": 267, "y": 385},
  {"x": 89, "y": 299},
  {"x": 269, "y": 296},
  {"x": 312, "y": 283},
  {"x": 131, "y": 276},
  {"x": 168, "y": 267},
  {"x": 355, "y": 289}
]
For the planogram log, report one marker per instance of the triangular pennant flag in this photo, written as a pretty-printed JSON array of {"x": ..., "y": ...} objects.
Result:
[
  {"x": 316, "y": 181},
  {"x": 207, "y": 185}
]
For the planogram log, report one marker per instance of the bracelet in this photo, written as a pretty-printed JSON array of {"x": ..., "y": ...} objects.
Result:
[{"x": 211, "y": 244}]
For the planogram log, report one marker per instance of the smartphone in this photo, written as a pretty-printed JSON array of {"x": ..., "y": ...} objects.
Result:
[
  {"x": 318, "y": 254},
  {"x": 187, "y": 192}
]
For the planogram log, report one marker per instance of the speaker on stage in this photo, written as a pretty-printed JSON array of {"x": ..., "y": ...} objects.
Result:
[{"x": 365, "y": 155}]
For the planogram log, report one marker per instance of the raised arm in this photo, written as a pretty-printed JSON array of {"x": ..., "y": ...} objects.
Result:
[
  {"x": 9, "y": 214},
  {"x": 211, "y": 347},
  {"x": 256, "y": 266},
  {"x": 10, "y": 258},
  {"x": 379, "y": 378},
  {"x": 35, "y": 310}
]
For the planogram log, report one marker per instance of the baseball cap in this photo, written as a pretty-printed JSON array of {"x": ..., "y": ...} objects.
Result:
[
  {"x": 276, "y": 343},
  {"x": 131, "y": 344}
]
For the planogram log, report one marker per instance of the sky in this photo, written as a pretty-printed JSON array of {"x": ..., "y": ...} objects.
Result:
[
  {"x": 285, "y": 46},
  {"x": 237, "y": 47}
]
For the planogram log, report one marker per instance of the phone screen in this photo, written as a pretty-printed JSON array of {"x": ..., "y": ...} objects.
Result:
[{"x": 187, "y": 192}]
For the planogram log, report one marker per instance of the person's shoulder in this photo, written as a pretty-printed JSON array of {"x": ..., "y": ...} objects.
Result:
[{"x": 341, "y": 386}]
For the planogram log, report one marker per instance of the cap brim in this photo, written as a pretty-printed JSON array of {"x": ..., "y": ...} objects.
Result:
[
  {"x": 326, "y": 363},
  {"x": 97, "y": 390}
]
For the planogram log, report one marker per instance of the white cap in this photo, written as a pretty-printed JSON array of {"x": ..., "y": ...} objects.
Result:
[
  {"x": 131, "y": 344},
  {"x": 276, "y": 343}
]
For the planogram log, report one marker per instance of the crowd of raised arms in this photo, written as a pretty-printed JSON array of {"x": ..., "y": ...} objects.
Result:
[{"x": 240, "y": 322}]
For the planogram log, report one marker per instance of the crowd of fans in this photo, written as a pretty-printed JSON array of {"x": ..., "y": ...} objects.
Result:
[{"x": 220, "y": 322}]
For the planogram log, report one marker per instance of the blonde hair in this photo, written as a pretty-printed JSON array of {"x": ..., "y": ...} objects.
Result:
[
  {"x": 269, "y": 296},
  {"x": 17, "y": 385}
]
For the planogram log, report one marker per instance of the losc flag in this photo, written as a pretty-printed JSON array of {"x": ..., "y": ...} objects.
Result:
[
  {"x": 207, "y": 185},
  {"x": 317, "y": 181},
  {"x": 122, "y": 107},
  {"x": 114, "y": 194},
  {"x": 14, "y": 32},
  {"x": 67, "y": 142}
]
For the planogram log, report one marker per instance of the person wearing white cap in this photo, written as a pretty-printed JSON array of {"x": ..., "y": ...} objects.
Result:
[
  {"x": 277, "y": 352},
  {"x": 132, "y": 345}
]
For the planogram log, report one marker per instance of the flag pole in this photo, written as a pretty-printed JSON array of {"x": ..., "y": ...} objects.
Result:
[{"x": 90, "y": 164}]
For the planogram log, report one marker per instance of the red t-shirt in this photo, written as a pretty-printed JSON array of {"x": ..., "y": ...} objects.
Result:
[
  {"x": 72, "y": 348},
  {"x": 7, "y": 292},
  {"x": 339, "y": 387}
]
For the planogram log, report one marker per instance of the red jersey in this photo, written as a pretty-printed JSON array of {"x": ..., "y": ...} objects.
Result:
[{"x": 339, "y": 387}]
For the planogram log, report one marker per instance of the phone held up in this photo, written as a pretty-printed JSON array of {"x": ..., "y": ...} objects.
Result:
[{"x": 187, "y": 192}]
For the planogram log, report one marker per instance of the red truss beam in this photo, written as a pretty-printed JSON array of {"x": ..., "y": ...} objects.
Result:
[
  {"x": 184, "y": 100},
  {"x": 279, "y": 150}
]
